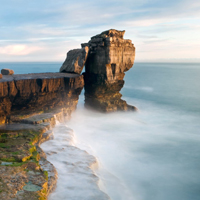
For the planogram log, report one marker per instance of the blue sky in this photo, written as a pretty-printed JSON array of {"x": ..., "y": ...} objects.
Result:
[{"x": 45, "y": 30}]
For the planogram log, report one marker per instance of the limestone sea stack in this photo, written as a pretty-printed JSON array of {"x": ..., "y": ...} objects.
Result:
[
  {"x": 75, "y": 61},
  {"x": 109, "y": 57},
  {"x": 7, "y": 71}
]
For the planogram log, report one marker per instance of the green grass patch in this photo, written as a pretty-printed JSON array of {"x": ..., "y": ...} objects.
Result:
[
  {"x": 8, "y": 159},
  {"x": 16, "y": 152},
  {"x": 3, "y": 135},
  {"x": 35, "y": 156},
  {"x": 32, "y": 149},
  {"x": 46, "y": 175},
  {"x": 3, "y": 145}
]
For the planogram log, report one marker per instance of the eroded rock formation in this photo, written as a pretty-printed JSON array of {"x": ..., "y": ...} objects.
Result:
[
  {"x": 31, "y": 104},
  {"x": 75, "y": 60},
  {"x": 38, "y": 92},
  {"x": 109, "y": 57}
]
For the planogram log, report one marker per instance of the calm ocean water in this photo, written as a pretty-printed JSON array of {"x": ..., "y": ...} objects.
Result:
[
  {"x": 31, "y": 67},
  {"x": 149, "y": 155}
]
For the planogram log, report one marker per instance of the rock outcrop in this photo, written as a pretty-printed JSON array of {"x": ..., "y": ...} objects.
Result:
[
  {"x": 7, "y": 71},
  {"x": 75, "y": 61},
  {"x": 109, "y": 57},
  {"x": 25, "y": 172},
  {"x": 38, "y": 92},
  {"x": 30, "y": 104}
]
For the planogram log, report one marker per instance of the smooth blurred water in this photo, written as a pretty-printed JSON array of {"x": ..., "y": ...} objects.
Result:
[
  {"x": 173, "y": 84},
  {"x": 153, "y": 154},
  {"x": 31, "y": 67}
]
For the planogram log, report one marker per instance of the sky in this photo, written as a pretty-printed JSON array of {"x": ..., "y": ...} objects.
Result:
[{"x": 45, "y": 30}]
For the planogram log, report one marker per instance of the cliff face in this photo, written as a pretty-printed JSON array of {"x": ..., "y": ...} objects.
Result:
[
  {"x": 31, "y": 104},
  {"x": 109, "y": 57},
  {"x": 38, "y": 92}
]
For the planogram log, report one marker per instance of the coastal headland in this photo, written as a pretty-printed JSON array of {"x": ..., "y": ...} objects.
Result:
[{"x": 30, "y": 104}]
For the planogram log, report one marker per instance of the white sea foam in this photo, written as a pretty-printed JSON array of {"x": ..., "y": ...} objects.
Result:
[
  {"x": 150, "y": 155},
  {"x": 144, "y": 88},
  {"x": 76, "y": 179}
]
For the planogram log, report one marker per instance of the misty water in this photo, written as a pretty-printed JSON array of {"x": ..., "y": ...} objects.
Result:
[{"x": 152, "y": 154}]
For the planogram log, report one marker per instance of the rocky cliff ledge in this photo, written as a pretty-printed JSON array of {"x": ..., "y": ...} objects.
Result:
[
  {"x": 30, "y": 104},
  {"x": 38, "y": 92},
  {"x": 109, "y": 57}
]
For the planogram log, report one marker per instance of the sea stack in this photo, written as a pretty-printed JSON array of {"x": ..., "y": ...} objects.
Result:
[{"x": 109, "y": 57}]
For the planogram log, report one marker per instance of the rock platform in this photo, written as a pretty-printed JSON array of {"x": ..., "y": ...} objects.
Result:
[
  {"x": 30, "y": 104},
  {"x": 25, "y": 93},
  {"x": 24, "y": 171}
]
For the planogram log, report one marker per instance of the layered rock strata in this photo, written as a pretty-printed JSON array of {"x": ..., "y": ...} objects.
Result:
[
  {"x": 38, "y": 92},
  {"x": 29, "y": 107},
  {"x": 109, "y": 57}
]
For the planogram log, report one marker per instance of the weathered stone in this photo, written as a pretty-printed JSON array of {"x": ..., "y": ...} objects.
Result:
[
  {"x": 38, "y": 92},
  {"x": 116, "y": 56},
  {"x": 32, "y": 178},
  {"x": 7, "y": 71},
  {"x": 1, "y": 76},
  {"x": 75, "y": 60},
  {"x": 109, "y": 57}
]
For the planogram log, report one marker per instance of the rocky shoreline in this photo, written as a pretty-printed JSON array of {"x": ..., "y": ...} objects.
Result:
[
  {"x": 30, "y": 104},
  {"x": 24, "y": 171}
]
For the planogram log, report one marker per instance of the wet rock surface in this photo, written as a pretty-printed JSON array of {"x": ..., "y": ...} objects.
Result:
[
  {"x": 109, "y": 57},
  {"x": 29, "y": 107},
  {"x": 24, "y": 171}
]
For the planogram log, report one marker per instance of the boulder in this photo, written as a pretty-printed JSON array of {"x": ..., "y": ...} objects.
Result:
[
  {"x": 75, "y": 60},
  {"x": 1, "y": 76},
  {"x": 7, "y": 71}
]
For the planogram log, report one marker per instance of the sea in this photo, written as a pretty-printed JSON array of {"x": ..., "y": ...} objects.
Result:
[{"x": 151, "y": 154}]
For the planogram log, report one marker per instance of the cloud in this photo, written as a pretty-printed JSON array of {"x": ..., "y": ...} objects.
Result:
[
  {"x": 48, "y": 29},
  {"x": 18, "y": 49}
]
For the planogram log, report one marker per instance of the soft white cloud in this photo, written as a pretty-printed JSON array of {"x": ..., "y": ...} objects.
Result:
[
  {"x": 46, "y": 30},
  {"x": 18, "y": 49}
]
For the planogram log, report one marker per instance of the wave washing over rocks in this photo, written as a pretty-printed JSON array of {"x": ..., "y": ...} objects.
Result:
[
  {"x": 35, "y": 98},
  {"x": 76, "y": 178}
]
